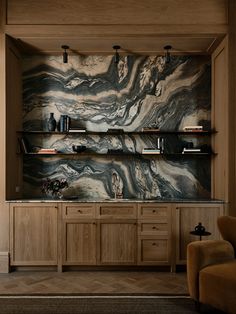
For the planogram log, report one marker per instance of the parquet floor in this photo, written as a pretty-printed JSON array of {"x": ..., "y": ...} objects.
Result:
[{"x": 93, "y": 282}]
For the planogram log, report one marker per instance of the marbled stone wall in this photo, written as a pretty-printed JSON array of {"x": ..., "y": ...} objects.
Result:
[{"x": 142, "y": 91}]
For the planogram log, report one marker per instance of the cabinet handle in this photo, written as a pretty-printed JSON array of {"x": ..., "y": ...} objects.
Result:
[
  {"x": 154, "y": 227},
  {"x": 153, "y": 210},
  {"x": 94, "y": 223},
  {"x": 154, "y": 243},
  {"x": 79, "y": 211}
]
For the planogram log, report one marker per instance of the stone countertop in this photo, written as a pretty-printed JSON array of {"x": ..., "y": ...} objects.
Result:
[{"x": 112, "y": 200}]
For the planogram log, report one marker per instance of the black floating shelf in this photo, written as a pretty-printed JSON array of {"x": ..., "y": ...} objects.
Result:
[
  {"x": 118, "y": 154},
  {"x": 120, "y": 133}
]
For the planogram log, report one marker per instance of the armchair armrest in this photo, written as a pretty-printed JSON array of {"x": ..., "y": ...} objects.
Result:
[{"x": 201, "y": 254}]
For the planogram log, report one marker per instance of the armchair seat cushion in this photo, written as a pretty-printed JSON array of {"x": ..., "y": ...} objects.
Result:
[{"x": 218, "y": 286}]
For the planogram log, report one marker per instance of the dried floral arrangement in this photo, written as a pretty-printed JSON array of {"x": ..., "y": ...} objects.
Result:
[{"x": 54, "y": 187}]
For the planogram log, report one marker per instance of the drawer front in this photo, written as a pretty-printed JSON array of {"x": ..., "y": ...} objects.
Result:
[
  {"x": 153, "y": 228},
  {"x": 117, "y": 211},
  {"x": 153, "y": 251},
  {"x": 79, "y": 211},
  {"x": 153, "y": 211}
]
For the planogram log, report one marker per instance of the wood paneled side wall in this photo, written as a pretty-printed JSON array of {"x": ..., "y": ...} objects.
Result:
[
  {"x": 111, "y": 12},
  {"x": 13, "y": 120},
  {"x": 4, "y": 212},
  {"x": 220, "y": 122},
  {"x": 232, "y": 106}
]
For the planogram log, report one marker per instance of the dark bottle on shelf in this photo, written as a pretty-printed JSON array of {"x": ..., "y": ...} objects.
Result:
[{"x": 51, "y": 122}]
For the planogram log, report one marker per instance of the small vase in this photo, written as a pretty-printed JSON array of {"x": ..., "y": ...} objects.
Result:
[
  {"x": 52, "y": 123},
  {"x": 200, "y": 228}
]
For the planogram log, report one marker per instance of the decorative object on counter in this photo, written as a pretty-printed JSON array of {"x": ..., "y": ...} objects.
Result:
[
  {"x": 200, "y": 231},
  {"x": 64, "y": 123},
  {"x": 54, "y": 187},
  {"x": 65, "y": 54},
  {"x": 78, "y": 148},
  {"x": 52, "y": 123},
  {"x": 117, "y": 56},
  {"x": 117, "y": 185},
  {"x": 167, "y": 54}
]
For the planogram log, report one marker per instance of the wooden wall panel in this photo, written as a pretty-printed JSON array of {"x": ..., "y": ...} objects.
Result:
[
  {"x": 220, "y": 122},
  {"x": 4, "y": 208},
  {"x": 116, "y": 12},
  {"x": 232, "y": 107}
]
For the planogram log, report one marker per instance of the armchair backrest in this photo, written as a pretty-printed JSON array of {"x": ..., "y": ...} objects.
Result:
[{"x": 227, "y": 227}]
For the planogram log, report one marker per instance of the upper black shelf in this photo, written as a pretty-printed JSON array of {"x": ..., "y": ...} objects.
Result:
[{"x": 120, "y": 133}]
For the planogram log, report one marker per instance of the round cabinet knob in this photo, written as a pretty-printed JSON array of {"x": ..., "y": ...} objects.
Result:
[
  {"x": 154, "y": 227},
  {"x": 79, "y": 211},
  {"x": 153, "y": 210},
  {"x": 154, "y": 243}
]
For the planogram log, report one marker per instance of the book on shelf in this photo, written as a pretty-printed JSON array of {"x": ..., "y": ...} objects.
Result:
[
  {"x": 191, "y": 150},
  {"x": 193, "y": 128},
  {"x": 151, "y": 151},
  {"x": 146, "y": 129},
  {"x": 77, "y": 130},
  {"x": 24, "y": 146},
  {"x": 47, "y": 151}
]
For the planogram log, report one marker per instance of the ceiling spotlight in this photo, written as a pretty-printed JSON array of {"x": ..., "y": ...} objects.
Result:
[
  {"x": 117, "y": 56},
  {"x": 167, "y": 55},
  {"x": 65, "y": 54}
]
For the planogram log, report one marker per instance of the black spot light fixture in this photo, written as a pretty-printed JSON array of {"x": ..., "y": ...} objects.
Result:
[
  {"x": 167, "y": 55},
  {"x": 117, "y": 56},
  {"x": 65, "y": 54}
]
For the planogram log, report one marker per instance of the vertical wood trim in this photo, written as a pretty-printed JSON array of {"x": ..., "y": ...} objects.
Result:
[
  {"x": 220, "y": 122},
  {"x": 4, "y": 208},
  {"x": 60, "y": 243},
  {"x": 3, "y": 14},
  {"x": 232, "y": 107}
]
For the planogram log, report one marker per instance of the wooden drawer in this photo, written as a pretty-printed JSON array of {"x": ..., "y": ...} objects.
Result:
[
  {"x": 153, "y": 251},
  {"x": 79, "y": 211},
  {"x": 118, "y": 211},
  {"x": 153, "y": 211},
  {"x": 153, "y": 228}
]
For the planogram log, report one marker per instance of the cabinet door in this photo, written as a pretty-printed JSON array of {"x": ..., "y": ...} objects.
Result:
[
  {"x": 187, "y": 217},
  {"x": 153, "y": 251},
  {"x": 33, "y": 234},
  {"x": 79, "y": 243},
  {"x": 117, "y": 242}
]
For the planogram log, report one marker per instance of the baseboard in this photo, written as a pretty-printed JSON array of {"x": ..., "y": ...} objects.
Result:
[{"x": 4, "y": 262}]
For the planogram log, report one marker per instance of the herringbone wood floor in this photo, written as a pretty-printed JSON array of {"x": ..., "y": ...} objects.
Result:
[{"x": 93, "y": 282}]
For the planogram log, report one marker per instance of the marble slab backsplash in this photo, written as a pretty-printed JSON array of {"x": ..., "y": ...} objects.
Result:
[{"x": 97, "y": 94}]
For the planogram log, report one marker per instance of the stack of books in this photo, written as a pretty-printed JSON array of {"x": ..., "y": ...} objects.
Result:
[
  {"x": 191, "y": 150},
  {"x": 146, "y": 129},
  {"x": 76, "y": 130},
  {"x": 193, "y": 128},
  {"x": 151, "y": 151},
  {"x": 47, "y": 151}
]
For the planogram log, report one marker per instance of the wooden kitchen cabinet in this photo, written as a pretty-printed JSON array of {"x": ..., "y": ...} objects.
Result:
[
  {"x": 33, "y": 234},
  {"x": 117, "y": 233},
  {"x": 117, "y": 242},
  {"x": 187, "y": 217},
  {"x": 79, "y": 229},
  {"x": 154, "y": 234}
]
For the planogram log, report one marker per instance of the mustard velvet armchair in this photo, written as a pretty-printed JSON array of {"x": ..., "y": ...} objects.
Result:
[{"x": 211, "y": 268}]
